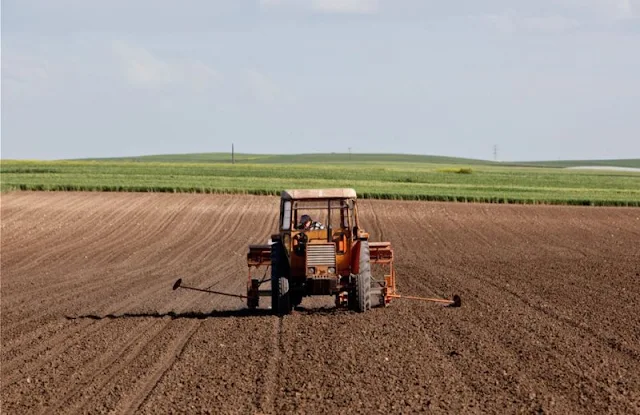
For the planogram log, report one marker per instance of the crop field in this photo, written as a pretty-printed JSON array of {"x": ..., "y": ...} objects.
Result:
[
  {"x": 549, "y": 321},
  {"x": 388, "y": 180},
  {"x": 338, "y": 158}
]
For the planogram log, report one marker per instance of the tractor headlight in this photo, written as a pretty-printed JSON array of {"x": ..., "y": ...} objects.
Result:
[
  {"x": 332, "y": 270},
  {"x": 311, "y": 270}
]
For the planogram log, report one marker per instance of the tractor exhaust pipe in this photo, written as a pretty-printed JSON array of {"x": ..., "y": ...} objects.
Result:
[{"x": 178, "y": 284}]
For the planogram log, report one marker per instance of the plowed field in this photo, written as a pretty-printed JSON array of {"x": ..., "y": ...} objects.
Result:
[{"x": 550, "y": 320}]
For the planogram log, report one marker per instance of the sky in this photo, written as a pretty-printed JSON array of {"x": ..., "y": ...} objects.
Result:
[{"x": 541, "y": 80}]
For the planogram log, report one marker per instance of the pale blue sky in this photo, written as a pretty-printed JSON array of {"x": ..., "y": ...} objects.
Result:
[{"x": 541, "y": 79}]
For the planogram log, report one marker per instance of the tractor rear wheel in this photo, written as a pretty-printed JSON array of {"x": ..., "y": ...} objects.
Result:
[
  {"x": 362, "y": 293},
  {"x": 280, "y": 296},
  {"x": 296, "y": 299}
]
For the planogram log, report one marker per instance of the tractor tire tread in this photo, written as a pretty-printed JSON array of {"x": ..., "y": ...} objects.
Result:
[{"x": 363, "y": 280}]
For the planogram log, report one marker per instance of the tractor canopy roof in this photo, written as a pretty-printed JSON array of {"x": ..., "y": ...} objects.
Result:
[{"x": 310, "y": 194}]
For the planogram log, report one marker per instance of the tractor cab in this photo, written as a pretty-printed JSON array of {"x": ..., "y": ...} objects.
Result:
[{"x": 317, "y": 228}]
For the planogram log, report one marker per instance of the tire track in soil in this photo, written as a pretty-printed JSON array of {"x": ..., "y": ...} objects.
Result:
[
  {"x": 101, "y": 243},
  {"x": 187, "y": 249},
  {"x": 124, "y": 381},
  {"x": 337, "y": 361},
  {"x": 36, "y": 357},
  {"x": 203, "y": 253},
  {"x": 220, "y": 368},
  {"x": 32, "y": 206},
  {"x": 615, "y": 344},
  {"x": 116, "y": 364},
  {"x": 510, "y": 344},
  {"x": 49, "y": 380},
  {"x": 167, "y": 360},
  {"x": 179, "y": 249},
  {"x": 379, "y": 235},
  {"x": 95, "y": 326},
  {"x": 269, "y": 380},
  {"x": 496, "y": 354},
  {"x": 160, "y": 287},
  {"x": 112, "y": 364},
  {"x": 57, "y": 345},
  {"x": 66, "y": 287},
  {"x": 72, "y": 244}
]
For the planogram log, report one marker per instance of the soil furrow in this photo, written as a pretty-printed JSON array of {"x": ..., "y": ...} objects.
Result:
[
  {"x": 166, "y": 360},
  {"x": 267, "y": 385},
  {"x": 104, "y": 368},
  {"x": 548, "y": 321}
]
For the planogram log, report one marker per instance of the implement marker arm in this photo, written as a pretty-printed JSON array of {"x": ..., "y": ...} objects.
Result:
[
  {"x": 382, "y": 255},
  {"x": 455, "y": 302}
]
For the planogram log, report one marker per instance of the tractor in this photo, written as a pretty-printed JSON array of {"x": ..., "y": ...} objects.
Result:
[
  {"x": 332, "y": 257},
  {"x": 320, "y": 249}
]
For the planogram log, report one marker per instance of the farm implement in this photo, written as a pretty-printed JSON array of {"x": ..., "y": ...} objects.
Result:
[{"x": 328, "y": 253}]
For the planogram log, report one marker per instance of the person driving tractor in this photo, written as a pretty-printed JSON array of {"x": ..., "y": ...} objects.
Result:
[{"x": 307, "y": 224}]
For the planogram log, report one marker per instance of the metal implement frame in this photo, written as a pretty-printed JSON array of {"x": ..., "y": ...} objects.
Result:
[
  {"x": 258, "y": 256},
  {"x": 380, "y": 254}
]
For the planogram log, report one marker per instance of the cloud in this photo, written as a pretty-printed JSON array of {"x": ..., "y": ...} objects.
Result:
[
  {"x": 143, "y": 69},
  {"x": 510, "y": 22},
  {"x": 621, "y": 9},
  {"x": 345, "y": 6},
  {"x": 262, "y": 88},
  {"x": 610, "y": 9},
  {"x": 24, "y": 69},
  {"x": 549, "y": 24},
  {"x": 624, "y": 9},
  {"x": 326, "y": 6},
  {"x": 24, "y": 76}
]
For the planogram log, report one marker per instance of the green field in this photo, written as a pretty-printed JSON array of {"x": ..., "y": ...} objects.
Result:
[
  {"x": 468, "y": 182},
  {"x": 633, "y": 163},
  {"x": 315, "y": 158},
  {"x": 342, "y": 158}
]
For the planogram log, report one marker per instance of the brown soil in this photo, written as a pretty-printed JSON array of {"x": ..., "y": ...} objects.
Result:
[{"x": 550, "y": 320}]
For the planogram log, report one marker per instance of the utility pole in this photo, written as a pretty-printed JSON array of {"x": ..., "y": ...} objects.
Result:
[
  {"x": 233, "y": 155},
  {"x": 349, "y": 153},
  {"x": 495, "y": 152}
]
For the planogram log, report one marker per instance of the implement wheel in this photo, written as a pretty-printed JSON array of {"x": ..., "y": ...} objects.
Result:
[{"x": 362, "y": 293}]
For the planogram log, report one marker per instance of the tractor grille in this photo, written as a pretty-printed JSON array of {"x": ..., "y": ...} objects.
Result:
[{"x": 324, "y": 254}]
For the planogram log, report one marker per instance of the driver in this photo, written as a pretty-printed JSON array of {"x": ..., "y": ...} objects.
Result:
[{"x": 309, "y": 225}]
